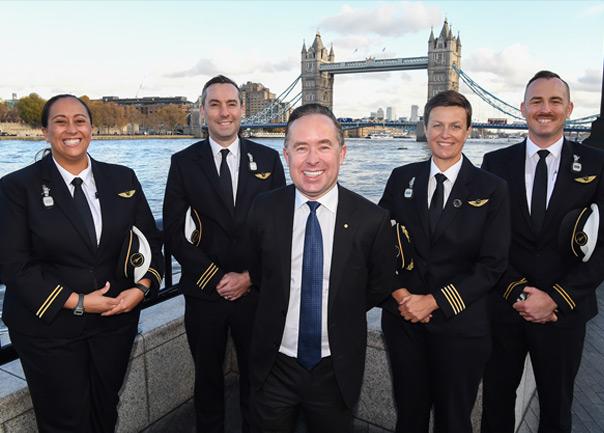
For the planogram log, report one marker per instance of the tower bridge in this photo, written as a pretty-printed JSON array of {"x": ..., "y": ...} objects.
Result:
[
  {"x": 318, "y": 66},
  {"x": 443, "y": 66}
]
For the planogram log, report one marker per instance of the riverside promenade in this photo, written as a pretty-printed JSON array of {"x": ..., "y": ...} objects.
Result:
[{"x": 588, "y": 404}]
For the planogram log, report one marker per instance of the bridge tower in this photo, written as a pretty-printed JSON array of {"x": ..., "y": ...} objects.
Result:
[
  {"x": 443, "y": 52},
  {"x": 316, "y": 86}
]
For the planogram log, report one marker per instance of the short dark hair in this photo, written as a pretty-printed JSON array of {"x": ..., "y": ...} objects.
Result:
[
  {"x": 48, "y": 105},
  {"x": 314, "y": 108},
  {"x": 448, "y": 98},
  {"x": 219, "y": 79},
  {"x": 548, "y": 75}
]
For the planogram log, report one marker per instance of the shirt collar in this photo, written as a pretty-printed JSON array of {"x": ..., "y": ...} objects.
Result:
[
  {"x": 328, "y": 200},
  {"x": 450, "y": 173},
  {"x": 85, "y": 175},
  {"x": 233, "y": 147},
  {"x": 555, "y": 149}
]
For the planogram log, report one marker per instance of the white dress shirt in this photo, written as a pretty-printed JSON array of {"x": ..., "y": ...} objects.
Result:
[
  {"x": 89, "y": 189},
  {"x": 553, "y": 165},
  {"x": 326, "y": 214},
  {"x": 451, "y": 175},
  {"x": 232, "y": 161}
]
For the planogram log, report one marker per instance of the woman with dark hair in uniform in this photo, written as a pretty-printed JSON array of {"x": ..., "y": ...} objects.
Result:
[{"x": 79, "y": 253}]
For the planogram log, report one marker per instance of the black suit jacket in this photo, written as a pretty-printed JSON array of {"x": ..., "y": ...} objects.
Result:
[
  {"x": 536, "y": 260},
  {"x": 193, "y": 181},
  {"x": 46, "y": 254},
  {"x": 462, "y": 261},
  {"x": 362, "y": 268}
]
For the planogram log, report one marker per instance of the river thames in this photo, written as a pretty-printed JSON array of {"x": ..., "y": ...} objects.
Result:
[{"x": 366, "y": 168}]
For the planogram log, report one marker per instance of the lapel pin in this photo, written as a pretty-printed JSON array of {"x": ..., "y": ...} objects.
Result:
[
  {"x": 576, "y": 164},
  {"x": 252, "y": 164},
  {"x": 345, "y": 226},
  {"x": 47, "y": 199},
  {"x": 457, "y": 203},
  {"x": 409, "y": 189}
]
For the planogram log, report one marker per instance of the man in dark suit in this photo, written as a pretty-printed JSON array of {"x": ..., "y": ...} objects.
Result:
[
  {"x": 544, "y": 298},
  {"x": 212, "y": 183},
  {"x": 322, "y": 257},
  {"x": 453, "y": 235}
]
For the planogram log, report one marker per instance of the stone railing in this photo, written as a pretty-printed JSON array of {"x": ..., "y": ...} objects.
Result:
[{"x": 160, "y": 379}]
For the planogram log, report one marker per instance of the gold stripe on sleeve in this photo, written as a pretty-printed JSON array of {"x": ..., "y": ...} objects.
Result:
[
  {"x": 459, "y": 298},
  {"x": 53, "y": 295},
  {"x": 513, "y": 284},
  {"x": 208, "y": 278},
  {"x": 156, "y": 274},
  {"x": 565, "y": 296},
  {"x": 208, "y": 269},
  {"x": 450, "y": 299}
]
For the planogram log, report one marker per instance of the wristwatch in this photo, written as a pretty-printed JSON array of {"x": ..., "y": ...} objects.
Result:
[
  {"x": 79, "y": 309},
  {"x": 143, "y": 288}
]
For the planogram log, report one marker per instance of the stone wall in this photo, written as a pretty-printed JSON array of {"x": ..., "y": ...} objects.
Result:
[{"x": 160, "y": 379}]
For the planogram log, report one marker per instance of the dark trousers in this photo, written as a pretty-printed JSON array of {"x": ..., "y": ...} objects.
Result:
[
  {"x": 207, "y": 325},
  {"x": 291, "y": 388},
  {"x": 555, "y": 355},
  {"x": 437, "y": 370},
  {"x": 74, "y": 382}
]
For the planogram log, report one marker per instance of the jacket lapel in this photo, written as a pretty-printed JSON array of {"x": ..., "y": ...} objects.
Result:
[
  {"x": 421, "y": 197},
  {"x": 456, "y": 199},
  {"x": 64, "y": 200},
  {"x": 208, "y": 168},
  {"x": 342, "y": 243},
  {"x": 517, "y": 183},
  {"x": 558, "y": 199},
  {"x": 283, "y": 212},
  {"x": 242, "y": 184}
]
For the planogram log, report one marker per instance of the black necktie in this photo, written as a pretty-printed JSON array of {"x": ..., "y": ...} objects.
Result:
[
  {"x": 79, "y": 199},
  {"x": 225, "y": 179},
  {"x": 311, "y": 292},
  {"x": 539, "y": 197},
  {"x": 437, "y": 201}
]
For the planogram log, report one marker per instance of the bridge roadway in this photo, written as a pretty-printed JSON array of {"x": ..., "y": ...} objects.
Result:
[
  {"x": 412, "y": 125},
  {"x": 371, "y": 64}
]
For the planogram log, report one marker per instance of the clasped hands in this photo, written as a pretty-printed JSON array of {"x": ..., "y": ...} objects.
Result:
[
  {"x": 538, "y": 307},
  {"x": 415, "y": 308},
  {"x": 97, "y": 302},
  {"x": 233, "y": 285}
]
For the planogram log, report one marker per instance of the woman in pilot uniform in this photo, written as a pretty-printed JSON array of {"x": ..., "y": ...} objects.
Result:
[
  {"x": 70, "y": 226},
  {"x": 453, "y": 232}
]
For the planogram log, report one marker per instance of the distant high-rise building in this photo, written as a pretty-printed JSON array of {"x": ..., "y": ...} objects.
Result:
[
  {"x": 257, "y": 97},
  {"x": 414, "y": 113},
  {"x": 390, "y": 114},
  {"x": 380, "y": 113}
]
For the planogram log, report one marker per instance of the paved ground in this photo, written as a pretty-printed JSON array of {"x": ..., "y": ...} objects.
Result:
[{"x": 588, "y": 404}]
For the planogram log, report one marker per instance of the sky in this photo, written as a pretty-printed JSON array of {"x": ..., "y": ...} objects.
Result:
[{"x": 171, "y": 48}]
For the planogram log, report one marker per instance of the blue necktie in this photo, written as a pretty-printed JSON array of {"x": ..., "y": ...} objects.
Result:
[{"x": 309, "y": 331}]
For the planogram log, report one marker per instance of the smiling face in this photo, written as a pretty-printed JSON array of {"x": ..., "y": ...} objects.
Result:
[
  {"x": 69, "y": 133},
  {"x": 222, "y": 111},
  {"x": 446, "y": 132},
  {"x": 313, "y": 154},
  {"x": 546, "y": 106}
]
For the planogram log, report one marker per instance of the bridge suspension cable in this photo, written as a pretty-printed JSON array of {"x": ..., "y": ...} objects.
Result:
[
  {"x": 488, "y": 97},
  {"x": 503, "y": 106},
  {"x": 276, "y": 108}
]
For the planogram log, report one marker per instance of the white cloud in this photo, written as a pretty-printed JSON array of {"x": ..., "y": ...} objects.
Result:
[
  {"x": 510, "y": 68},
  {"x": 590, "y": 81},
  {"x": 202, "y": 67},
  {"x": 592, "y": 11},
  {"x": 390, "y": 19}
]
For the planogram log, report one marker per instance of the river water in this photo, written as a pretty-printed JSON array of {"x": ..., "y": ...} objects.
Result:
[{"x": 366, "y": 168}]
